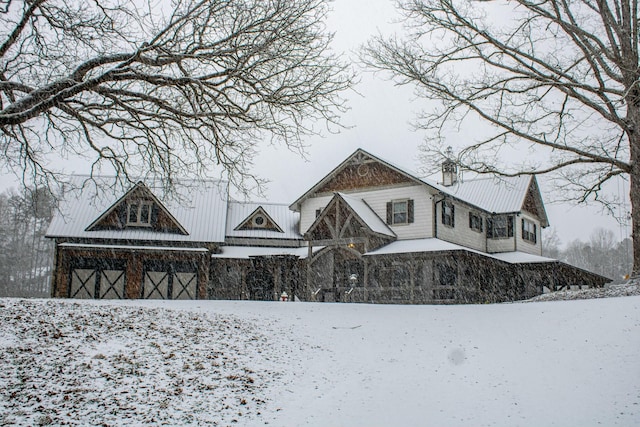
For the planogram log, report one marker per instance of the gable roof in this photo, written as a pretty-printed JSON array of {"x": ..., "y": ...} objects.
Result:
[
  {"x": 358, "y": 157},
  {"x": 138, "y": 188},
  {"x": 495, "y": 195},
  {"x": 361, "y": 213},
  {"x": 367, "y": 215},
  {"x": 240, "y": 212},
  {"x": 198, "y": 206}
]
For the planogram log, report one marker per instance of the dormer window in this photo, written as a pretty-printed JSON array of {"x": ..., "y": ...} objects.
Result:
[
  {"x": 500, "y": 227},
  {"x": 139, "y": 214}
]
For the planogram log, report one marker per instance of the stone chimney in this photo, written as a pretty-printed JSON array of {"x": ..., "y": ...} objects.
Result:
[{"x": 449, "y": 169}]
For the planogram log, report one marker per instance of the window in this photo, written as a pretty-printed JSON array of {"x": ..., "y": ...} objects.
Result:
[
  {"x": 318, "y": 212},
  {"x": 475, "y": 222},
  {"x": 500, "y": 227},
  {"x": 448, "y": 214},
  {"x": 259, "y": 221},
  {"x": 139, "y": 214},
  {"x": 400, "y": 212},
  {"x": 529, "y": 231}
]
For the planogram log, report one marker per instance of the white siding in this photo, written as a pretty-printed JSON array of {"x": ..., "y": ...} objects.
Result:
[
  {"x": 501, "y": 245},
  {"x": 525, "y": 245},
  {"x": 461, "y": 234},
  {"x": 422, "y": 227}
]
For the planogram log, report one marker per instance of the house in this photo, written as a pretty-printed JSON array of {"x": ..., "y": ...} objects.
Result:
[{"x": 369, "y": 231}]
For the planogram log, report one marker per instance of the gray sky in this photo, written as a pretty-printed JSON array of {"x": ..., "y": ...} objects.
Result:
[{"x": 379, "y": 122}]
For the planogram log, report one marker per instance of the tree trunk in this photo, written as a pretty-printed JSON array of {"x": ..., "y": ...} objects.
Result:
[{"x": 634, "y": 193}]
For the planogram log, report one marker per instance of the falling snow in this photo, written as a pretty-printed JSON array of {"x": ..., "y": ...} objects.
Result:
[{"x": 564, "y": 363}]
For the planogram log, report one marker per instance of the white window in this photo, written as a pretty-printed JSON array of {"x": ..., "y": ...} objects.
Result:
[
  {"x": 529, "y": 231},
  {"x": 448, "y": 214},
  {"x": 139, "y": 214},
  {"x": 400, "y": 212}
]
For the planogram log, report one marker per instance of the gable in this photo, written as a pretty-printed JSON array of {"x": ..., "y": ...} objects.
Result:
[
  {"x": 138, "y": 208},
  {"x": 533, "y": 203},
  {"x": 259, "y": 220},
  {"x": 359, "y": 171},
  {"x": 362, "y": 172},
  {"x": 347, "y": 218}
]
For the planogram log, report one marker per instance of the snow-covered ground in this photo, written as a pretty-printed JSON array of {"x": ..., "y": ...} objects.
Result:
[{"x": 562, "y": 363}]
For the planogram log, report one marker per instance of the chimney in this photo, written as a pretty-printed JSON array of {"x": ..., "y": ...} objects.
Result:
[{"x": 449, "y": 169}]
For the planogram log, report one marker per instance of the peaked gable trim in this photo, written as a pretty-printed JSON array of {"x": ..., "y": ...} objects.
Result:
[
  {"x": 248, "y": 222},
  {"x": 340, "y": 227},
  {"x": 359, "y": 157},
  {"x": 534, "y": 196},
  {"x": 139, "y": 186}
]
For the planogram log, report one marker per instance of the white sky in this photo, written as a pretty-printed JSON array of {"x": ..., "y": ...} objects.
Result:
[
  {"x": 380, "y": 120},
  {"x": 379, "y": 123}
]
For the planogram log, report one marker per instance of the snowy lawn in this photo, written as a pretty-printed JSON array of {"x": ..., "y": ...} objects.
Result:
[{"x": 562, "y": 363}]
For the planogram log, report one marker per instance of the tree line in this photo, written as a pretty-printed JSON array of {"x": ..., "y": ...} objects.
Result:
[
  {"x": 602, "y": 253},
  {"x": 26, "y": 256}
]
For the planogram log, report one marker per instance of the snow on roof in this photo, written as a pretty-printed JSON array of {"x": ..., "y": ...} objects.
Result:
[
  {"x": 129, "y": 247},
  {"x": 521, "y": 257},
  {"x": 246, "y": 252},
  {"x": 365, "y": 213},
  {"x": 287, "y": 220},
  {"x": 494, "y": 194},
  {"x": 416, "y": 245},
  {"x": 437, "y": 245},
  {"x": 199, "y": 206}
]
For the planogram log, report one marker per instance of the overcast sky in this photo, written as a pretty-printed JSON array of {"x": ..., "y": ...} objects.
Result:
[
  {"x": 379, "y": 122},
  {"x": 381, "y": 125}
]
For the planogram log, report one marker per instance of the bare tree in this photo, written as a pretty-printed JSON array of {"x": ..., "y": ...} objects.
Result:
[
  {"x": 144, "y": 87},
  {"x": 556, "y": 78}
]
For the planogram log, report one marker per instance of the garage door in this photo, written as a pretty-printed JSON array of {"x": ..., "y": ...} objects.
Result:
[
  {"x": 97, "y": 279},
  {"x": 170, "y": 281}
]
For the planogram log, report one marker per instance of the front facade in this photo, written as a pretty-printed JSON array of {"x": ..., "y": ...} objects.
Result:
[{"x": 367, "y": 232}]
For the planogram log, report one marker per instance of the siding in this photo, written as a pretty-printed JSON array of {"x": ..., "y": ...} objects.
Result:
[
  {"x": 461, "y": 234},
  {"x": 377, "y": 200},
  {"x": 525, "y": 245}
]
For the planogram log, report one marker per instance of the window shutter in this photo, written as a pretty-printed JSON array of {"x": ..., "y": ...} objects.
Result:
[
  {"x": 510, "y": 226},
  {"x": 489, "y": 227},
  {"x": 453, "y": 215},
  {"x": 535, "y": 233},
  {"x": 389, "y": 212},
  {"x": 470, "y": 220},
  {"x": 523, "y": 230},
  {"x": 410, "y": 211}
]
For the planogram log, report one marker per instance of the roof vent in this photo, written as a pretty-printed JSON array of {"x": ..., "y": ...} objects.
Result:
[{"x": 449, "y": 169}]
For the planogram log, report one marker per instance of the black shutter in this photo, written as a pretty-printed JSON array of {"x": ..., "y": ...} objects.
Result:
[
  {"x": 410, "y": 211},
  {"x": 510, "y": 226},
  {"x": 470, "y": 220},
  {"x": 389, "y": 213},
  {"x": 535, "y": 233},
  {"x": 489, "y": 227},
  {"x": 453, "y": 215},
  {"x": 523, "y": 230}
]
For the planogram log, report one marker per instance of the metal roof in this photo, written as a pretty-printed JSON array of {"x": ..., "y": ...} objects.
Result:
[
  {"x": 366, "y": 214},
  {"x": 199, "y": 206},
  {"x": 238, "y": 212},
  {"x": 437, "y": 245},
  {"x": 493, "y": 194}
]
